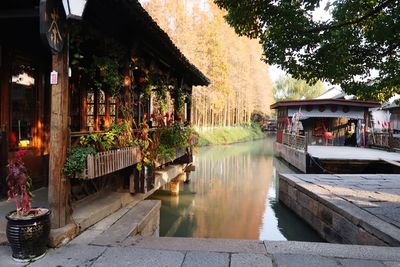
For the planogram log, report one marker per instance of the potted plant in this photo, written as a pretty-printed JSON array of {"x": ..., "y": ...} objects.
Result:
[{"x": 28, "y": 228}]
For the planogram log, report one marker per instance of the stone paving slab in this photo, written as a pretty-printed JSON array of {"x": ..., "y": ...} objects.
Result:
[
  {"x": 202, "y": 258},
  {"x": 72, "y": 255},
  {"x": 251, "y": 260},
  {"x": 125, "y": 256}
]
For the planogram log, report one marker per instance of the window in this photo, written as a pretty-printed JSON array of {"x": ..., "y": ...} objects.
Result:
[
  {"x": 22, "y": 105},
  {"x": 101, "y": 110}
]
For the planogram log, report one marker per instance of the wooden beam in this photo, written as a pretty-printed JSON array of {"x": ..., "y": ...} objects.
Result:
[
  {"x": 19, "y": 13},
  {"x": 395, "y": 163},
  {"x": 59, "y": 138}
]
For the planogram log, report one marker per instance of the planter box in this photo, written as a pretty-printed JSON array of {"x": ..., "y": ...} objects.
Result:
[{"x": 104, "y": 163}]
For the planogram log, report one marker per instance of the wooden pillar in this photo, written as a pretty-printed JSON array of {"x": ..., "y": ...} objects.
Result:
[
  {"x": 59, "y": 187},
  {"x": 174, "y": 185}
]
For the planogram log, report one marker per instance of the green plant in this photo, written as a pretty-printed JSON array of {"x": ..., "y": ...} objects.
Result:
[
  {"x": 76, "y": 161},
  {"x": 105, "y": 74},
  {"x": 176, "y": 136},
  {"x": 145, "y": 144},
  {"x": 179, "y": 95},
  {"x": 100, "y": 142},
  {"x": 123, "y": 134}
]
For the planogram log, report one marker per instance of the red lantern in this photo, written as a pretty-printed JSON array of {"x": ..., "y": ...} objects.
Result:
[{"x": 328, "y": 135}]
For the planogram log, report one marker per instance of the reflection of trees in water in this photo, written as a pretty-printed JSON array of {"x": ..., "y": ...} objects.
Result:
[
  {"x": 231, "y": 185},
  {"x": 291, "y": 225}
]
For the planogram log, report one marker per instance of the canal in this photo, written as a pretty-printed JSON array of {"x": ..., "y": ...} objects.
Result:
[{"x": 233, "y": 194}]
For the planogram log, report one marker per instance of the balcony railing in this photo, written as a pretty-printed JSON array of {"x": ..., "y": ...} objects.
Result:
[
  {"x": 107, "y": 162},
  {"x": 384, "y": 140},
  {"x": 295, "y": 141}
]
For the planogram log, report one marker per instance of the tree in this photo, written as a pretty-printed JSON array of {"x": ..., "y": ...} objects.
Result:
[
  {"x": 357, "y": 47},
  {"x": 287, "y": 88},
  {"x": 240, "y": 83}
]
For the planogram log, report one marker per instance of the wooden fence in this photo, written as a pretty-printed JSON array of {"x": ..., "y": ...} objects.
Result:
[
  {"x": 104, "y": 163},
  {"x": 295, "y": 141},
  {"x": 384, "y": 140}
]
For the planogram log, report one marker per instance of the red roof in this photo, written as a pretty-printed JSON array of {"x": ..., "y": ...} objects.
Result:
[{"x": 342, "y": 102}]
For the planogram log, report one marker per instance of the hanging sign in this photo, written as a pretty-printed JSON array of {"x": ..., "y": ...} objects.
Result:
[{"x": 52, "y": 24}]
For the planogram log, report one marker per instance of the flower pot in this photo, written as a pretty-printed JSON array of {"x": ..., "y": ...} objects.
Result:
[{"x": 28, "y": 236}]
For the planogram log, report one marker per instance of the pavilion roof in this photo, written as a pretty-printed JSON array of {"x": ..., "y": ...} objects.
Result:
[
  {"x": 341, "y": 102},
  {"x": 128, "y": 20}
]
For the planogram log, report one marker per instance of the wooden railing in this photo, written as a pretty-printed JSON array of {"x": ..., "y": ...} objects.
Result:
[
  {"x": 384, "y": 140},
  {"x": 295, "y": 141},
  {"x": 107, "y": 162}
]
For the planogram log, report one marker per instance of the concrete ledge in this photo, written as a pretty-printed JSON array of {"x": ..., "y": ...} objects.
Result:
[{"x": 197, "y": 244}]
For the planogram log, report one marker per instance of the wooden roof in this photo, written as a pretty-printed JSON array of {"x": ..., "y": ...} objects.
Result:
[
  {"x": 128, "y": 21},
  {"x": 342, "y": 102}
]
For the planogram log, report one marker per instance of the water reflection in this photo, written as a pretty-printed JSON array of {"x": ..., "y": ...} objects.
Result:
[{"x": 232, "y": 194}]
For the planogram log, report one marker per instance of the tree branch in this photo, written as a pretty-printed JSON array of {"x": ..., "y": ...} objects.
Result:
[{"x": 367, "y": 15}]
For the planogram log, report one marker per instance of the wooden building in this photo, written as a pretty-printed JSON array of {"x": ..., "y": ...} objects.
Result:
[
  {"x": 330, "y": 136},
  {"x": 48, "y": 91},
  {"x": 318, "y": 116}
]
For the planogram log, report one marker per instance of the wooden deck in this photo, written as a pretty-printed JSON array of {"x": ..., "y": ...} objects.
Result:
[{"x": 351, "y": 153}]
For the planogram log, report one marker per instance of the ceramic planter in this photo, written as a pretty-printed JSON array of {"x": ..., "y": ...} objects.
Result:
[{"x": 28, "y": 236}]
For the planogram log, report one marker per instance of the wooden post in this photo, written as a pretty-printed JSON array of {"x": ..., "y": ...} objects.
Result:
[
  {"x": 3, "y": 159},
  {"x": 59, "y": 187}
]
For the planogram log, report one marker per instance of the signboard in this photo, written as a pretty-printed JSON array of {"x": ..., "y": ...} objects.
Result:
[
  {"x": 53, "y": 77},
  {"x": 52, "y": 24}
]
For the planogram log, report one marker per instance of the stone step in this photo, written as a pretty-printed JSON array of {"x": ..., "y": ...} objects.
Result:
[{"x": 142, "y": 219}]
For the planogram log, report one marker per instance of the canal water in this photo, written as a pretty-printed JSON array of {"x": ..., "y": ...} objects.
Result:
[{"x": 233, "y": 194}]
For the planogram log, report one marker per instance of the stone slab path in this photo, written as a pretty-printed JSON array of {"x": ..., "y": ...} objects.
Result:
[
  {"x": 164, "y": 251},
  {"x": 370, "y": 201}
]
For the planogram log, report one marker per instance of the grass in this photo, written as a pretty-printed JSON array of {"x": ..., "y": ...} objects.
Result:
[{"x": 225, "y": 135}]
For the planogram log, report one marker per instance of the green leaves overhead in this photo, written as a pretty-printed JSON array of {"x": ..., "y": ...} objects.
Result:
[{"x": 356, "y": 45}]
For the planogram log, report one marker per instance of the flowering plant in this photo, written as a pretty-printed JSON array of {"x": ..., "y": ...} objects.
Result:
[{"x": 19, "y": 184}]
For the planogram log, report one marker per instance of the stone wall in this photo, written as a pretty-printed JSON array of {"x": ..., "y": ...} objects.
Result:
[
  {"x": 330, "y": 224},
  {"x": 295, "y": 157}
]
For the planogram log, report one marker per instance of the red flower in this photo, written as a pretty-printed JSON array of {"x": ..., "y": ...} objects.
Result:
[
  {"x": 179, "y": 118},
  {"x": 144, "y": 116},
  {"x": 153, "y": 116},
  {"x": 20, "y": 153},
  {"x": 167, "y": 115},
  {"x": 141, "y": 79}
]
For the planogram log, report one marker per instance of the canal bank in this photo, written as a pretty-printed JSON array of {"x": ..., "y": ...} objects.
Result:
[{"x": 342, "y": 208}]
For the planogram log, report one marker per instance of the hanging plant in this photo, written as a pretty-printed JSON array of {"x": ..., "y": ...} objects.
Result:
[
  {"x": 179, "y": 95},
  {"x": 105, "y": 74}
]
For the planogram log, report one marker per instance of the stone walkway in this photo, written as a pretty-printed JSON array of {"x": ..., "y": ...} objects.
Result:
[
  {"x": 370, "y": 203},
  {"x": 137, "y": 251}
]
